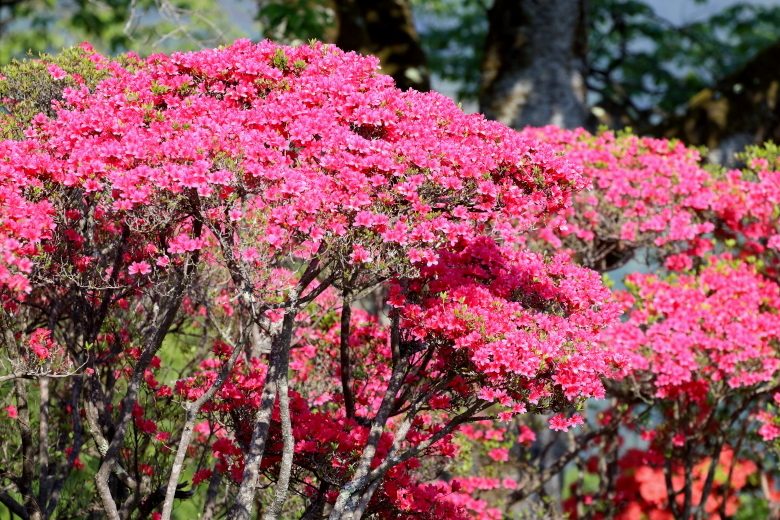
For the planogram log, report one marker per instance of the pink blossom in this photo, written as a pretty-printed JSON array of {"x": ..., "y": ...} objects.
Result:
[
  {"x": 559, "y": 422},
  {"x": 235, "y": 214},
  {"x": 769, "y": 431},
  {"x": 527, "y": 436},
  {"x": 41, "y": 343},
  {"x": 56, "y": 72},
  {"x": 359, "y": 255},
  {"x": 139, "y": 268},
  {"x": 499, "y": 454},
  {"x": 250, "y": 254},
  {"x": 183, "y": 244}
]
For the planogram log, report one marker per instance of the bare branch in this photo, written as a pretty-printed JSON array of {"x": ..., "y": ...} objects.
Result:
[
  {"x": 14, "y": 506},
  {"x": 193, "y": 409}
]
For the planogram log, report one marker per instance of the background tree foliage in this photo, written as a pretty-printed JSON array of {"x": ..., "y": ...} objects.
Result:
[
  {"x": 639, "y": 69},
  {"x": 643, "y": 69},
  {"x": 114, "y": 26}
]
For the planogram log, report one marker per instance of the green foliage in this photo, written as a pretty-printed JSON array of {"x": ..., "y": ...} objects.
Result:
[
  {"x": 751, "y": 507},
  {"x": 453, "y": 32},
  {"x": 29, "y": 88},
  {"x": 112, "y": 26},
  {"x": 280, "y": 60},
  {"x": 296, "y": 21},
  {"x": 648, "y": 68},
  {"x": 769, "y": 151}
]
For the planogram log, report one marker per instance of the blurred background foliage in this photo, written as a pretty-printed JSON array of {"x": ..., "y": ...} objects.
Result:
[
  {"x": 115, "y": 26},
  {"x": 650, "y": 68},
  {"x": 641, "y": 68}
]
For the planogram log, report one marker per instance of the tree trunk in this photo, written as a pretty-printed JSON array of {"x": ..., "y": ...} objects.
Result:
[
  {"x": 385, "y": 29},
  {"x": 740, "y": 110},
  {"x": 535, "y": 59}
]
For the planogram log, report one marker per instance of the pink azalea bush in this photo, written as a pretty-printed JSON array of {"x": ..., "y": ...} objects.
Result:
[
  {"x": 185, "y": 241},
  {"x": 699, "y": 326},
  {"x": 645, "y": 193}
]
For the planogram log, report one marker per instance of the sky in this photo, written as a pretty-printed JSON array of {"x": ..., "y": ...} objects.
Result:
[{"x": 684, "y": 11}]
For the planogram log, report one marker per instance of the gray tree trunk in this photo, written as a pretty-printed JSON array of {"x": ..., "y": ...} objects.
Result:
[{"x": 534, "y": 63}]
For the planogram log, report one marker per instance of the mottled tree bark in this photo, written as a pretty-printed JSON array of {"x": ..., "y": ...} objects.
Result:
[
  {"x": 535, "y": 59},
  {"x": 384, "y": 28},
  {"x": 740, "y": 110}
]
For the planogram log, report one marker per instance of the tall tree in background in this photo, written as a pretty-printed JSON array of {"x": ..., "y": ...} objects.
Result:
[
  {"x": 531, "y": 79},
  {"x": 535, "y": 63},
  {"x": 646, "y": 86}
]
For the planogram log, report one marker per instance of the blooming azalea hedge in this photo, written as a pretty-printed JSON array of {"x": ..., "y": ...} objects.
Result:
[
  {"x": 263, "y": 277},
  {"x": 699, "y": 331}
]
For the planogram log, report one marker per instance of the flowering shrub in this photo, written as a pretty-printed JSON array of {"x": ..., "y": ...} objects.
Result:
[
  {"x": 641, "y": 489},
  {"x": 699, "y": 331},
  {"x": 215, "y": 218},
  {"x": 702, "y": 335},
  {"x": 649, "y": 194}
]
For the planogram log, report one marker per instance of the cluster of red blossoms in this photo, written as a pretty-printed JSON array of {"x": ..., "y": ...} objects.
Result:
[
  {"x": 346, "y": 287},
  {"x": 641, "y": 488}
]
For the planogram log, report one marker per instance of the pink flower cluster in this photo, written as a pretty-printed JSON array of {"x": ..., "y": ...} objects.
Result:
[
  {"x": 693, "y": 332},
  {"x": 644, "y": 192},
  {"x": 527, "y": 323},
  {"x": 41, "y": 343},
  {"x": 327, "y": 148}
]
